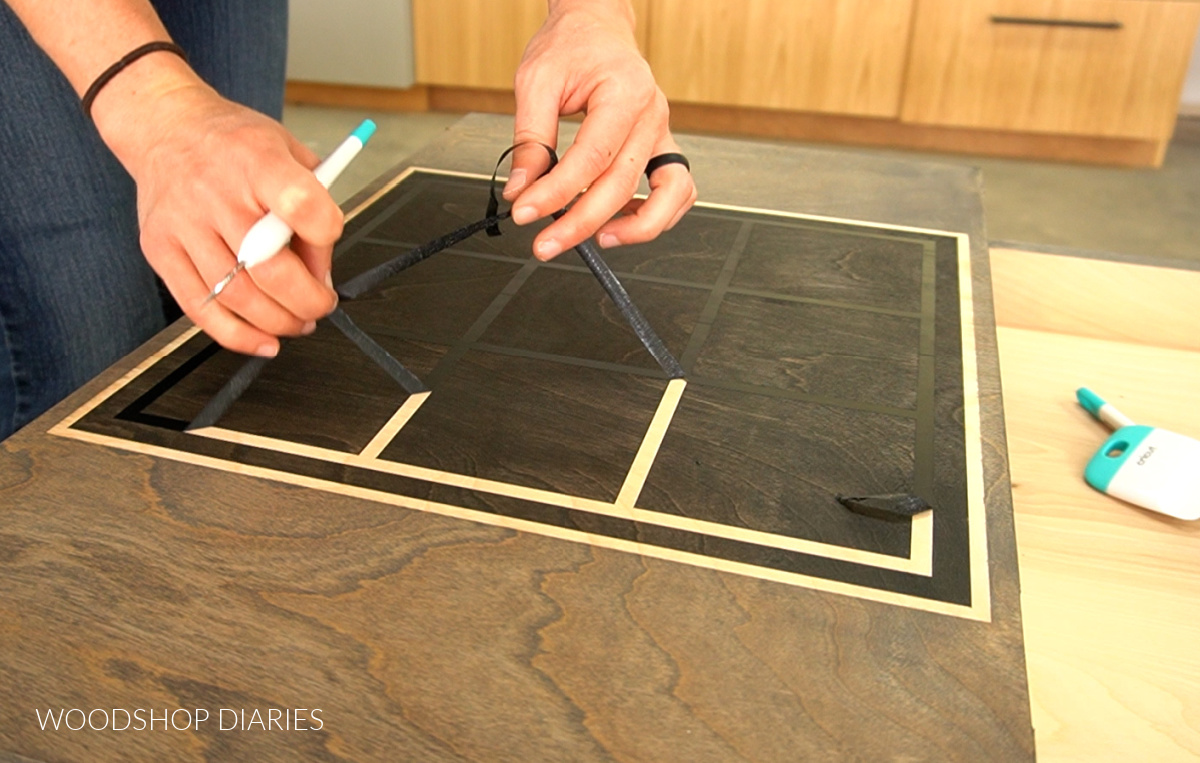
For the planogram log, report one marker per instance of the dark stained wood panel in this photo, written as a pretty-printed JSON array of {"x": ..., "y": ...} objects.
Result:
[
  {"x": 532, "y": 422},
  {"x": 792, "y": 456},
  {"x": 404, "y": 306},
  {"x": 319, "y": 391},
  {"x": 554, "y": 308},
  {"x": 869, "y": 268},
  {"x": 817, "y": 349},
  {"x": 538, "y": 384}
]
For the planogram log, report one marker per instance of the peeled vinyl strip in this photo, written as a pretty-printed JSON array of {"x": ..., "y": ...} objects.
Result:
[
  {"x": 616, "y": 292},
  {"x": 368, "y": 280}
]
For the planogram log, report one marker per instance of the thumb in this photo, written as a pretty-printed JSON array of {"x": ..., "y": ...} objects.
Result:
[{"x": 536, "y": 123}]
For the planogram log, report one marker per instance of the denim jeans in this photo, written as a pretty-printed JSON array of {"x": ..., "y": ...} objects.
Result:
[{"x": 75, "y": 292}]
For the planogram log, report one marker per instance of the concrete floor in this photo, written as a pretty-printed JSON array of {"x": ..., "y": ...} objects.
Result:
[{"x": 1146, "y": 213}]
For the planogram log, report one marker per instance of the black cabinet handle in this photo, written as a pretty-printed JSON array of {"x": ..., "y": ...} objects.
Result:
[{"x": 1026, "y": 21}]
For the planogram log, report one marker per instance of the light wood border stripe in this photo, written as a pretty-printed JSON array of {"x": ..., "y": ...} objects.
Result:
[
  {"x": 599, "y": 541},
  {"x": 981, "y": 588},
  {"x": 635, "y": 480},
  {"x": 404, "y": 174},
  {"x": 920, "y": 549},
  {"x": 389, "y": 431},
  {"x": 575, "y": 503}
]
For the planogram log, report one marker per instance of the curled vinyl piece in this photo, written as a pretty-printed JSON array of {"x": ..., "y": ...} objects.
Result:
[{"x": 893, "y": 506}]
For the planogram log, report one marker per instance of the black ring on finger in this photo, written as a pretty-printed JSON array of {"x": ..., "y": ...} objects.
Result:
[{"x": 665, "y": 159}]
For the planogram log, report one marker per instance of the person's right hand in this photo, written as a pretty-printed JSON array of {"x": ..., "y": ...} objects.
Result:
[
  {"x": 585, "y": 59},
  {"x": 206, "y": 170}
]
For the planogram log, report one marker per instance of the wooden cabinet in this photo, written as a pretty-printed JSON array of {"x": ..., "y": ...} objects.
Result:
[
  {"x": 1079, "y": 80},
  {"x": 473, "y": 43},
  {"x": 1111, "y": 68},
  {"x": 478, "y": 43},
  {"x": 840, "y": 56}
]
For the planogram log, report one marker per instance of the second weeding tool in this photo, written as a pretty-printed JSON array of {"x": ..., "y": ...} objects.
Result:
[
  {"x": 271, "y": 234},
  {"x": 1146, "y": 466}
]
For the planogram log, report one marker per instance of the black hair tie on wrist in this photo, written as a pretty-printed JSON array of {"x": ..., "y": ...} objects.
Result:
[
  {"x": 119, "y": 66},
  {"x": 665, "y": 159}
]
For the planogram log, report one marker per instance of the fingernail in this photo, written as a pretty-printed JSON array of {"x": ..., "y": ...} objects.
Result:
[
  {"x": 608, "y": 241},
  {"x": 516, "y": 181},
  {"x": 267, "y": 350},
  {"x": 309, "y": 327},
  {"x": 547, "y": 249},
  {"x": 524, "y": 215},
  {"x": 329, "y": 279}
]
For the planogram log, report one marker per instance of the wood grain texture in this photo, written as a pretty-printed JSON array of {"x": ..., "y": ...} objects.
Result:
[
  {"x": 478, "y": 43},
  {"x": 415, "y": 98},
  {"x": 132, "y": 580},
  {"x": 472, "y": 43},
  {"x": 772, "y": 342},
  {"x": 1081, "y": 296},
  {"x": 449, "y": 641},
  {"x": 885, "y": 274},
  {"x": 798, "y": 453},
  {"x": 863, "y": 131},
  {"x": 844, "y": 57},
  {"x": 967, "y": 71},
  {"x": 580, "y": 307},
  {"x": 1110, "y": 592},
  {"x": 798, "y": 125}
]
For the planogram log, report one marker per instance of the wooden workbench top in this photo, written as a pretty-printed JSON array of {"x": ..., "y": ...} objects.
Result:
[{"x": 419, "y": 626}]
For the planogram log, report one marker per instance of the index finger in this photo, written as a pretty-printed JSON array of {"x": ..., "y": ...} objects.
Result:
[
  {"x": 290, "y": 190},
  {"x": 600, "y": 138}
]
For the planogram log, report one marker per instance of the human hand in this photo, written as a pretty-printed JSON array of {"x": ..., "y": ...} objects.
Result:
[
  {"x": 585, "y": 59},
  {"x": 206, "y": 170}
]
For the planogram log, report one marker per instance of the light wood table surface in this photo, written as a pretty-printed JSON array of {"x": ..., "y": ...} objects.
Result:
[{"x": 1110, "y": 593}]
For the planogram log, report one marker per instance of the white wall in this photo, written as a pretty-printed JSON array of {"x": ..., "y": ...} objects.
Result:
[
  {"x": 351, "y": 42},
  {"x": 1191, "y": 89}
]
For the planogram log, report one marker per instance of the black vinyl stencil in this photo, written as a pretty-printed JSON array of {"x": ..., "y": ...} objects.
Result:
[{"x": 822, "y": 359}]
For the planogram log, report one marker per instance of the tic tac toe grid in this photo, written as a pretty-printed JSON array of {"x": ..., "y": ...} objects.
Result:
[{"x": 822, "y": 356}]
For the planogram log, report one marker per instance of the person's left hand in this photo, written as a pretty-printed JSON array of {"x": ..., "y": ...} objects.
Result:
[{"x": 585, "y": 59}]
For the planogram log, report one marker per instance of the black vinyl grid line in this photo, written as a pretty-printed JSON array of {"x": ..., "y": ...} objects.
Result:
[
  {"x": 470, "y": 340},
  {"x": 626, "y": 275},
  {"x": 442, "y": 369},
  {"x": 464, "y": 346},
  {"x": 923, "y": 458},
  {"x": 716, "y": 296}
]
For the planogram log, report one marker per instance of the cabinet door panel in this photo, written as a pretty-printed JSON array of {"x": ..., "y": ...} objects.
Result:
[
  {"x": 478, "y": 43},
  {"x": 840, "y": 56},
  {"x": 1115, "y": 68},
  {"x": 473, "y": 43}
]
